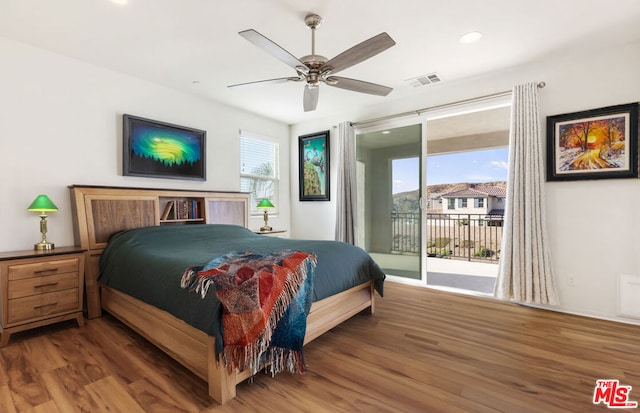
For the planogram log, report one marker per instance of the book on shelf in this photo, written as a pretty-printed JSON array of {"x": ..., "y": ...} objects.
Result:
[
  {"x": 181, "y": 209},
  {"x": 185, "y": 210},
  {"x": 167, "y": 210},
  {"x": 194, "y": 210}
]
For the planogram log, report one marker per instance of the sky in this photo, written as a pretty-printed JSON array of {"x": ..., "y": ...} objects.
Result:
[{"x": 473, "y": 166}]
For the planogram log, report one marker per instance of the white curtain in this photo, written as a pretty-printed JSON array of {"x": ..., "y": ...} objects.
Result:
[
  {"x": 346, "y": 193},
  {"x": 525, "y": 273}
]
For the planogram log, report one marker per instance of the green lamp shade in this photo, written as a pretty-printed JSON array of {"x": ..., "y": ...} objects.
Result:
[
  {"x": 42, "y": 204},
  {"x": 265, "y": 203}
]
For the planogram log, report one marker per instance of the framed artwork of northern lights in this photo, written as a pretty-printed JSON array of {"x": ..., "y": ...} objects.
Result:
[
  {"x": 314, "y": 166},
  {"x": 162, "y": 150}
]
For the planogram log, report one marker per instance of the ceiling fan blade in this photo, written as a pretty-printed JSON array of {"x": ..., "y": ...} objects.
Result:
[
  {"x": 310, "y": 98},
  {"x": 358, "y": 85},
  {"x": 359, "y": 53},
  {"x": 267, "y": 81},
  {"x": 272, "y": 48}
]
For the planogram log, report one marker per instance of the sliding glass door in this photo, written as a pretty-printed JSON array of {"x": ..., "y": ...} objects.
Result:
[
  {"x": 465, "y": 191},
  {"x": 430, "y": 210},
  {"x": 390, "y": 176}
]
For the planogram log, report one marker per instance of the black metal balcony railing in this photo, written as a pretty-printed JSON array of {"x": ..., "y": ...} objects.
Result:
[{"x": 473, "y": 237}]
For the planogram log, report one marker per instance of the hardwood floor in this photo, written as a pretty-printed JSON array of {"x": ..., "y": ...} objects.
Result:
[{"x": 422, "y": 351}]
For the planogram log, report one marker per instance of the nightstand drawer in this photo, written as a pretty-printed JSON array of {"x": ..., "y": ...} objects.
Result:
[
  {"x": 38, "y": 269},
  {"x": 29, "y": 308},
  {"x": 39, "y": 285}
]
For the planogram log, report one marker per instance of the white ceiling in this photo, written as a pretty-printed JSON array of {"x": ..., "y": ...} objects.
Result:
[{"x": 177, "y": 42}]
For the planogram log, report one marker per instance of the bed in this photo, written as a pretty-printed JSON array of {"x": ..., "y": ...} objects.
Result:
[{"x": 132, "y": 215}]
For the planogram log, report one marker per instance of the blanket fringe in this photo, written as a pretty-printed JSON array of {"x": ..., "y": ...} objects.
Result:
[
  {"x": 193, "y": 282},
  {"x": 282, "y": 359}
]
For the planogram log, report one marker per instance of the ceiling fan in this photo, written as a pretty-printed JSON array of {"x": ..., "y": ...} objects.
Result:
[{"x": 314, "y": 68}]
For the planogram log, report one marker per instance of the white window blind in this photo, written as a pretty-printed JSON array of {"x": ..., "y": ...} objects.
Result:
[{"x": 259, "y": 170}]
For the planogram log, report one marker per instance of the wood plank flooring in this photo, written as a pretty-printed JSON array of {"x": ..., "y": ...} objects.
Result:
[{"x": 422, "y": 351}]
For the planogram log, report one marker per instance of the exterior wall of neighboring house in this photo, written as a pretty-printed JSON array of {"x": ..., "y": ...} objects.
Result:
[
  {"x": 474, "y": 201},
  {"x": 496, "y": 203},
  {"x": 480, "y": 205},
  {"x": 435, "y": 203},
  {"x": 475, "y": 205},
  {"x": 449, "y": 204},
  {"x": 466, "y": 205}
]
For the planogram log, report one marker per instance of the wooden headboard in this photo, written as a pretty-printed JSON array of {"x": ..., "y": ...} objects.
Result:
[{"x": 99, "y": 212}]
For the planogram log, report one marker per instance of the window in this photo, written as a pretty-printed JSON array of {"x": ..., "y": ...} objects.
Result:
[
  {"x": 462, "y": 202},
  {"x": 259, "y": 175},
  {"x": 451, "y": 203},
  {"x": 479, "y": 203}
]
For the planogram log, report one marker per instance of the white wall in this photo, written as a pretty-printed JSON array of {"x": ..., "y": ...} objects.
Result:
[
  {"x": 61, "y": 124},
  {"x": 594, "y": 226}
]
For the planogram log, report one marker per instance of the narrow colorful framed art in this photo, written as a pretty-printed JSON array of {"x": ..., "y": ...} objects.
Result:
[{"x": 314, "y": 166}]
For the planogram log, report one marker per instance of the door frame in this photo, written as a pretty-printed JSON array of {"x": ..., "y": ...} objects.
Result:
[{"x": 396, "y": 123}]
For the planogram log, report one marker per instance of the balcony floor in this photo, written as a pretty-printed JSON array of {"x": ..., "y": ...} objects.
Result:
[{"x": 477, "y": 277}]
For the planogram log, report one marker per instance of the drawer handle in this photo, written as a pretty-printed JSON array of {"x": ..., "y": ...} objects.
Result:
[
  {"x": 37, "y": 307},
  {"x": 47, "y": 270},
  {"x": 46, "y": 285}
]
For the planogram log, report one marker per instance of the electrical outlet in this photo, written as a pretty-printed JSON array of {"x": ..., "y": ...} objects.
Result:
[{"x": 571, "y": 282}]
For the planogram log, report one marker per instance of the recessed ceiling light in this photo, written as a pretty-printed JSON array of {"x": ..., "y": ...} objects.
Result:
[
  {"x": 195, "y": 82},
  {"x": 470, "y": 37}
]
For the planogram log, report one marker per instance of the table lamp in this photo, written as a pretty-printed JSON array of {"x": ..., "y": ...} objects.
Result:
[
  {"x": 43, "y": 204},
  {"x": 266, "y": 205}
]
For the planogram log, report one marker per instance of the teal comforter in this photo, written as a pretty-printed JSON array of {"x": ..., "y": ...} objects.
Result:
[{"x": 147, "y": 263}]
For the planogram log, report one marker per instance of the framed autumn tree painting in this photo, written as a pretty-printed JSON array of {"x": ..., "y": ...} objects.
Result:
[
  {"x": 593, "y": 144},
  {"x": 313, "y": 158}
]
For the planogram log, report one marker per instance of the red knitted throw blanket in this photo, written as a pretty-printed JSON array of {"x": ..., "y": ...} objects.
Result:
[{"x": 265, "y": 300}]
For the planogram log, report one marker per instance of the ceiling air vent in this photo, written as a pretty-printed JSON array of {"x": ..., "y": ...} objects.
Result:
[{"x": 424, "y": 80}]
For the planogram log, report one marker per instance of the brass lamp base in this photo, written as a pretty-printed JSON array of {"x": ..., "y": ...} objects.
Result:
[
  {"x": 266, "y": 226},
  {"x": 43, "y": 246}
]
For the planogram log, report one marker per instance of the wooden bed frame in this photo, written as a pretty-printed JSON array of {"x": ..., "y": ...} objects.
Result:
[{"x": 100, "y": 212}]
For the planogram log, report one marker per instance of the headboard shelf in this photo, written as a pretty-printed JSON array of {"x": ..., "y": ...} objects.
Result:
[{"x": 101, "y": 211}]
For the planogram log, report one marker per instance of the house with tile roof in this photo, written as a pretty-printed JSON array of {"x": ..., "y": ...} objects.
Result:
[{"x": 484, "y": 200}]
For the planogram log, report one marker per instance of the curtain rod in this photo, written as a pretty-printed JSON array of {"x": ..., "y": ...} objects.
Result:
[{"x": 418, "y": 112}]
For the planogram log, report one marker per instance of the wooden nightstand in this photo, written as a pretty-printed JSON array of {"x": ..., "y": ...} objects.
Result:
[
  {"x": 273, "y": 233},
  {"x": 39, "y": 288}
]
